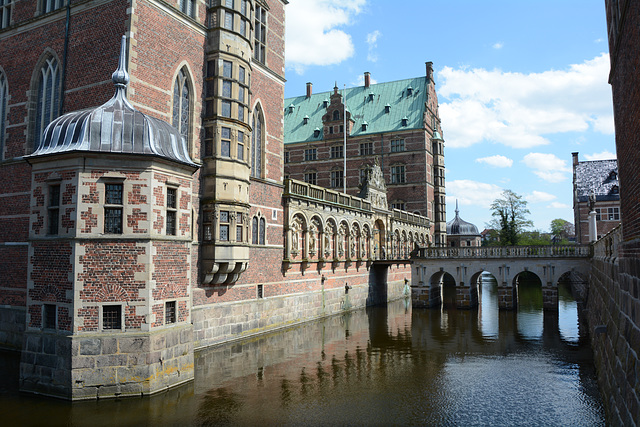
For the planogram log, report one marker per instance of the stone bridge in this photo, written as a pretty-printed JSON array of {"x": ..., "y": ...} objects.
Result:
[{"x": 465, "y": 265}]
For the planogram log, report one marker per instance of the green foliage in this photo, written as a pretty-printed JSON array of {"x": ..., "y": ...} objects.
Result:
[
  {"x": 510, "y": 217},
  {"x": 562, "y": 230},
  {"x": 534, "y": 238}
]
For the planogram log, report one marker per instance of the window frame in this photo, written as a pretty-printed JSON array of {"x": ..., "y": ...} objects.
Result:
[
  {"x": 366, "y": 148},
  {"x": 118, "y": 325},
  {"x": 311, "y": 177},
  {"x": 49, "y": 314},
  {"x": 398, "y": 174},
  {"x": 47, "y": 96},
  {"x": 182, "y": 108},
  {"x": 337, "y": 178},
  {"x": 4, "y": 102},
  {"x": 310, "y": 154},
  {"x": 109, "y": 206},
  {"x": 6, "y": 10},
  {"x": 171, "y": 225},
  {"x": 337, "y": 152},
  {"x": 397, "y": 145},
  {"x": 259, "y": 36},
  {"x": 53, "y": 209},
  {"x": 170, "y": 312}
]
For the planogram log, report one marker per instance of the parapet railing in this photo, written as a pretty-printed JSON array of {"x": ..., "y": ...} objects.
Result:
[
  {"x": 410, "y": 218},
  {"x": 496, "y": 252},
  {"x": 321, "y": 194},
  {"x": 607, "y": 246}
]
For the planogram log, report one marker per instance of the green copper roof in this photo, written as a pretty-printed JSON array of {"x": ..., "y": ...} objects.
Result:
[{"x": 364, "y": 108}]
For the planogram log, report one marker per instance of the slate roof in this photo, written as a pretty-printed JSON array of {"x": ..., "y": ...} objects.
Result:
[
  {"x": 114, "y": 127},
  {"x": 601, "y": 176},
  {"x": 362, "y": 109}
]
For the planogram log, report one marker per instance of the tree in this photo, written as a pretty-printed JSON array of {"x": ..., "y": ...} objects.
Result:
[
  {"x": 510, "y": 217},
  {"x": 562, "y": 229}
]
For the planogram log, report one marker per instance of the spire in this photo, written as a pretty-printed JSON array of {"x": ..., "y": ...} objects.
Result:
[
  {"x": 457, "y": 207},
  {"x": 120, "y": 76}
]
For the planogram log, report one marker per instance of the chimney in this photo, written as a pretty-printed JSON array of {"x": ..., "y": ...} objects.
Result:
[
  {"x": 429, "y": 70},
  {"x": 575, "y": 158},
  {"x": 367, "y": 79},
  {"x": 309, "y": 89}
]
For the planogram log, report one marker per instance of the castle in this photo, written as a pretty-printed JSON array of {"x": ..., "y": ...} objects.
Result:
[{"x": 142, "y": 225}]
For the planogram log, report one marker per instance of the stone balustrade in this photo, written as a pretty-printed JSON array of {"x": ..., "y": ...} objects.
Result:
[
  {"x": 498, "y": 252},
  {"x": 299, "y": 189},
  {"x": 607, "y": 246}
]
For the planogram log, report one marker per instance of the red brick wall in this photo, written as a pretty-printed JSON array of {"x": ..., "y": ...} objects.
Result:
[{"x": 171, "y": 275}]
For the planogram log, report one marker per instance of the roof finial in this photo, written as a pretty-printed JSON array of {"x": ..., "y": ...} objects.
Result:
[
  {"x": 456, "y": 207},
  {"x": 120, "y": 76}
]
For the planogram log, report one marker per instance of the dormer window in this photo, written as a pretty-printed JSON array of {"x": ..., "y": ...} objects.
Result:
[
  {"x": 371, "y": 96},
  {"x": 387, "y": 108},
  {"x": 316, "y": 132},
  {"x": 336, "y": 115},
  {"x": 325, "y": 103},
  {"x": 612, "y": 176},
  {"x": 305, "y": 120},
  {"x": 409, "y": 91},
  {"x": 291, "y": 108},
  {"x": 364, "y": 125},
  {"x": 405, "y": 120},
  {"x": 614, "y": 190}
]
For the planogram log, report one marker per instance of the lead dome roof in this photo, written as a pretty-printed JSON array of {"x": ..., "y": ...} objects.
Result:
[
  {"x": 459, "y": 227},
  {"x": 115, "y": 127}
]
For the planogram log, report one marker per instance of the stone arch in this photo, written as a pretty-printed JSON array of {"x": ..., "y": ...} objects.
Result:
[
  {"x": 365, "y": 242},
  {"x": 525, "y": 284},
  {"x": 111, "y": 293},
  {"x": 379, "y": 238},
  {"x": 329, "y": 244},
  {"x": 354, "y": 243},
  {"x": 342, "y": 239},
  {"x": 315, "y": 232},
  {"x": 403, "y": 245},
  {"x": 296, "y": 234}
]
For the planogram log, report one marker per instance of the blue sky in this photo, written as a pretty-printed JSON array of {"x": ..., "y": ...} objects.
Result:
[{"x": 521, "y": 85}]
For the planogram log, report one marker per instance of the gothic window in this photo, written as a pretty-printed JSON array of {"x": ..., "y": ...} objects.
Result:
[
  {"x": 51, "y": 5},
  {"x": 5, "y": 13},
  {"x": 181, "y": 107},
  {"x": 254, "y": 230},
  {"x": 262, "y": 232},
  {"x": 188, "y": 7},
  {"x": 260, "y": 34},
  {"x": 4, "y": 100},
  {"x": 257, "y": 144},
  {"x": 48, "y": 97}
]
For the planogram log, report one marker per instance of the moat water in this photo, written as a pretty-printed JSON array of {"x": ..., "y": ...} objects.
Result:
[{"x": 390, "y": 365}]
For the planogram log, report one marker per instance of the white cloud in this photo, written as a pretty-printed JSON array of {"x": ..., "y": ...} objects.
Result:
[
  {"x": 472, "y": 193},
  {"x": 498, "y": 45},
  {"x": 497, "y": 161},
  {"x": 518, "y": 110},
  {"x": 605, "y": 155},
  {"x": 540, "y": 196},
  {"x": 372, "y": 42},
  {"x": 312, "y": 36},
  {"x": 547, "y": 166},
  {"x": 558, "y": 205}
]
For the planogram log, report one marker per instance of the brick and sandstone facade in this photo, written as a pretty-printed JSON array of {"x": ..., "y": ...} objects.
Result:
[
  {"x": 614, "y": 286},
  {"x": 141, "y": 226}
]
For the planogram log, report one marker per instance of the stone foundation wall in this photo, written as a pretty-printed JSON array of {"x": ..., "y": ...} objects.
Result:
[
  {"x": 217, "y": 323},
  {"x": 12, "y": 323},
  {"x": 613, "y": 316},
  {"x": 106, "y": 365}
]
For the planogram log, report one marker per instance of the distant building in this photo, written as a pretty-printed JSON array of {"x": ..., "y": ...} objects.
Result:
[
  {"x": 462, "y": 233},
  {"x": 396, "y": 122},
  {"x": 601, "y": 178}
]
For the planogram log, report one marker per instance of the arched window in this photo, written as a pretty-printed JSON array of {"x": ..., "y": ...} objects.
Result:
[
  {"x": 254, "y": 230},
  {"x": 48, "y": 98},
  {"x": 257, "y": 144},
  {"x": 336, "y": 115},
  {"x": 263, "y": 226},
  {"x": 4, "y": 95},
  {"x": 181, "y": 108}
]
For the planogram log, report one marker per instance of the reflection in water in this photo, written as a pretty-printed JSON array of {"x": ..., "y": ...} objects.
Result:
[{"x": 380, "y": 366}]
